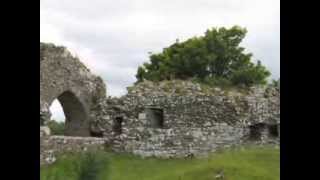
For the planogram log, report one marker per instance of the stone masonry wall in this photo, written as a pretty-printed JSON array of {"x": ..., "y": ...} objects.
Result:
[
  {"x": 194, "y": 121},
  {"x": 52, "y": 146},
  {"x": 166, "y": 119},
  {"x": 65, "y": 78}
]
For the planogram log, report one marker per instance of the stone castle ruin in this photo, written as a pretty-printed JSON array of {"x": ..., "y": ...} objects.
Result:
[
  {"x": 65, "y": 78},
  {"x": 165, "y": 119}
]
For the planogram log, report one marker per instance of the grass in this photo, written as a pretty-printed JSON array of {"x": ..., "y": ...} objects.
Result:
[
  {"x": 80, "y": 166},
  {"x": 251, "y": 163}
]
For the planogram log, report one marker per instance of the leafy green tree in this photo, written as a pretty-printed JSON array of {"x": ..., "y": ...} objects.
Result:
[
  {"x": 275, "y": 83},
  {"x": 57, "y": 128},
  {"x": 252, "y": 75},
  {"x": 215, "y": 57}
]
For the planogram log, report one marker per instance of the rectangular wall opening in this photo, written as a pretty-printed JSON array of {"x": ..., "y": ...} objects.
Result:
[
  {"x": 256, "y": 131},
  {"x": 117, "y": 125},
  {"x": 155, "y": 117},
  {"x": 273, "y": 131}
]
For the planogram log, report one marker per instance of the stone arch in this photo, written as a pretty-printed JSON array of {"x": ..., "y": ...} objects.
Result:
[
  {"x": 77, "y": 118},
  {"x": 64, "y": 77}
]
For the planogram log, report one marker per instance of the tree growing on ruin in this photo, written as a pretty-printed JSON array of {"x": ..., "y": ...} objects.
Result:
[{"x": 214, "y": 58}]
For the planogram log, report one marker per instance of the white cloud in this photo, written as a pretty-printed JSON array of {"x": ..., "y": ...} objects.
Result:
[{"x": 114, "y": 37}]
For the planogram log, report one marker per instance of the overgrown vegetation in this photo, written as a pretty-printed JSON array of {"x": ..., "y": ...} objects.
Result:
[
  {"x": 215, "y": 59},
  {"x": 275, "y": 83},
  {"x": 91, "y": 165},
  {"x": 57, "y": 128},
  {"x": 81, "y": 166},
  {"x": 250, "y": 163}
]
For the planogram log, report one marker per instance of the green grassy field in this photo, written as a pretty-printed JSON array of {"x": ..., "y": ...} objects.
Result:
[{"x": 250, "y": 163}]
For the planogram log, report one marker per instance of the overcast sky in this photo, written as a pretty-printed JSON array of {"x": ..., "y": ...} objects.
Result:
[{"x": 114, "y": 37}]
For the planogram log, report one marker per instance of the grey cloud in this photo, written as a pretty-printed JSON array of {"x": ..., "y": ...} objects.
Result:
[
  {"x": 99, "y": 9},
  {"x": 88, "y": 10},
  {"x": 114, "y": 38}
]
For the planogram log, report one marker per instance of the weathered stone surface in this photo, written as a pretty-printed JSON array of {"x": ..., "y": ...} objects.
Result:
[
  {"x": 65, "y": 78},
  {"x": 167, "y": 119},
  {"x": 44, "y": 131},
  {"x": 195, "y": 121},
  {"x": 52, "y": 146}
]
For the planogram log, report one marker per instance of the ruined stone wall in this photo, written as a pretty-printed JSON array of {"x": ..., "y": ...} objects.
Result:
[
  {"x": 167, "y": 119},
  {"x": 194, "y": 121},
  {"x": 64, "y": 77},
  {"x": 53, "y": 146}
]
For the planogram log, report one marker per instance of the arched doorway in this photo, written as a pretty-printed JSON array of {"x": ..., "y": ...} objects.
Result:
[
  {"x": 57, "y": 119},
  {"x": 57, "y": 113},
  {"x": 76, "y": 115}
]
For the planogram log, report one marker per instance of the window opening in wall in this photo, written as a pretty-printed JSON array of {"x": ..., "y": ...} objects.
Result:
[
  {"x": 256, "y": 131},
  {"x": 155, "y": 117},
  {"x": 273, "y": 130},
  {"x": 117, "y": 127}
]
